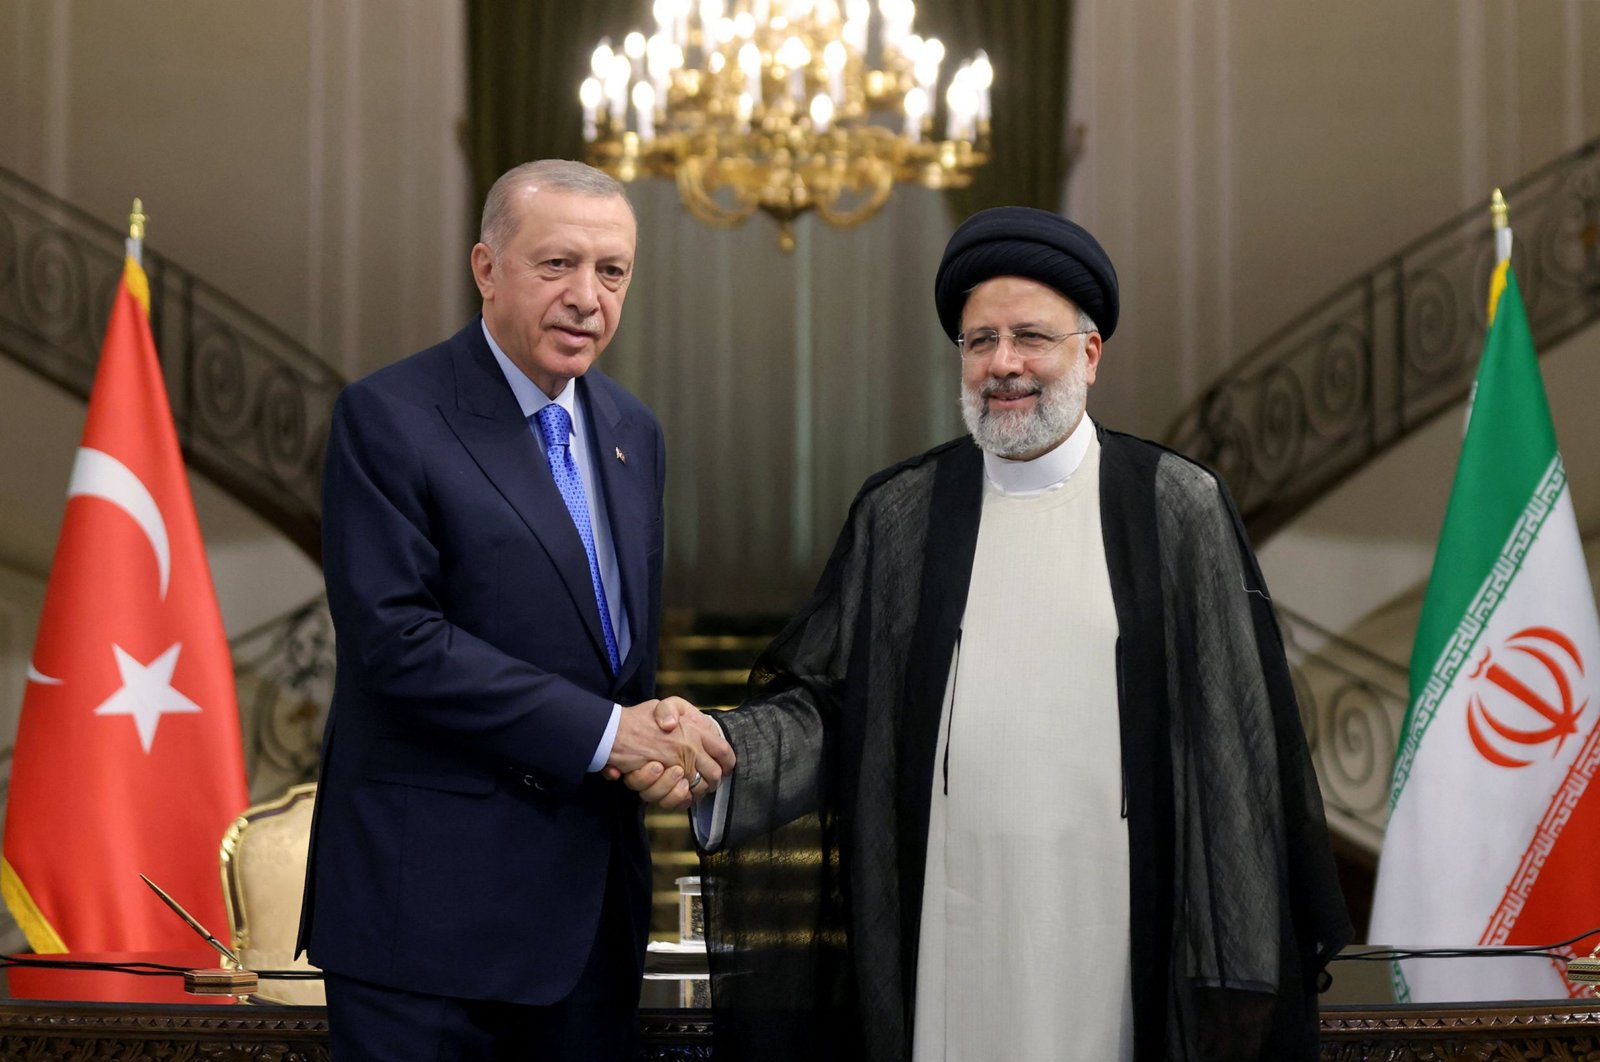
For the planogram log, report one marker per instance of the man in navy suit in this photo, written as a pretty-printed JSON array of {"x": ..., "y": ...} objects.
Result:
[{"x": 492, "y": 540}]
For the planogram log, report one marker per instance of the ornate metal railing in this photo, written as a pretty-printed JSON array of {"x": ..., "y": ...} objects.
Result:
[
  {"x": 1352, "y": 703},
  {"x": 283, "y": 670},
  {"x": 1392, "y": 348},
  {"x": 252, "y": 405}
]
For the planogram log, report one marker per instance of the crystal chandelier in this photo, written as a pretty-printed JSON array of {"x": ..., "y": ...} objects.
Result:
[{"x": 785, "y": 106}]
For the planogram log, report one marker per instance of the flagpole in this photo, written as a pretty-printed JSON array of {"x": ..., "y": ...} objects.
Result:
[
  {"x": 1502, "y": 260},
  {"x": 136, "y": 224},
  {"x": 1502, "y": 226}
]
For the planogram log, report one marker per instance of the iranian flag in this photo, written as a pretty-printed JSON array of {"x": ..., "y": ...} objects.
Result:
[{"x": 1494, "y": 835}]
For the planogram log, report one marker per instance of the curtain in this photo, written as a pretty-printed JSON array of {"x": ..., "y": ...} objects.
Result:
[
  {"x": 1029, "y": 44},
  {"x": 525, "y": 61}
]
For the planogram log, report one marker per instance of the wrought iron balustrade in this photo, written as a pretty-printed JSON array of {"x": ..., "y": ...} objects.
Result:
[
  {"x": 283, "y": 671},
  {"x": 1352, "y": 703},
  {"x": 252, "y": 405},
  {"x": 1389, "y": 350}
]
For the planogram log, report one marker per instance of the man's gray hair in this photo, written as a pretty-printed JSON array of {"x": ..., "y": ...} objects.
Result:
[
  {"x": 500, "y": 221},
  {"x": 1086, "y": 323}
]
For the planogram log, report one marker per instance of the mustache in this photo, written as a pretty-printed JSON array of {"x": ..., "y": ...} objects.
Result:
[
  {"x": 1011, "y": 387},
  {"x": 590, "y": 324}
]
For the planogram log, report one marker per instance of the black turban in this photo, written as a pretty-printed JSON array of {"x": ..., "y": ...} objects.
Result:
[{"x": 1026, "y": 242}]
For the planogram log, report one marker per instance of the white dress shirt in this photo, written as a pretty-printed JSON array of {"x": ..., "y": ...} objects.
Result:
[{"x": 531, "y": 400}]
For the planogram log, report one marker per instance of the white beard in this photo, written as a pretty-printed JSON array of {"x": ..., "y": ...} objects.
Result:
[{"x": 1015, "y": 433}]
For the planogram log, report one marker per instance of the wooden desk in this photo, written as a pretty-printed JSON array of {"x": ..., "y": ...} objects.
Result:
[
  {"x": 99, "y": 1015},
  {"x": 68, "y": 1016},
  {"x": 91, "y": 1016},
  {"x": 1507, "y": 1032},
  {"x": 95, "y": 1032},
  {"x": 98, "y": 1032}
]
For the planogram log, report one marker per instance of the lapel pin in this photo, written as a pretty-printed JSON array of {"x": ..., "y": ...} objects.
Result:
[{"x": 621, "y": 456}]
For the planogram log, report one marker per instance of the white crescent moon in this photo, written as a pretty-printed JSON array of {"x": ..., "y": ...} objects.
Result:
[{"x": 96, "y": 474}]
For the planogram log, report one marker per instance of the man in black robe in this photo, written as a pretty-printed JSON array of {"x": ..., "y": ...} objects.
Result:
[{"x": 814, "y": 892}]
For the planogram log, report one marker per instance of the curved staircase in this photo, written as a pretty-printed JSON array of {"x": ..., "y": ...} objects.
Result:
[
  {"x": 1389, "y": 350},
  {"x": 251, "y": 404}
]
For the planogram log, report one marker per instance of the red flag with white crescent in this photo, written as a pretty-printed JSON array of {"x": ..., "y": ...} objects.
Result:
[{"x": 128, "y": 757}]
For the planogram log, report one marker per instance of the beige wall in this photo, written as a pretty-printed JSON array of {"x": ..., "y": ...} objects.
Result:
[
  {"x": 1245, "y": 157},
  {"x": 301, "y": 155}
]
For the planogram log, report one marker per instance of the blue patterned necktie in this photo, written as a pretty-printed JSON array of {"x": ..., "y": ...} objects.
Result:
[{"x": 556, "y": 428}]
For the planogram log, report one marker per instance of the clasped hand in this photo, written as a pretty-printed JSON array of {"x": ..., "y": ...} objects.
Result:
[{"x": 669, "y": 752}]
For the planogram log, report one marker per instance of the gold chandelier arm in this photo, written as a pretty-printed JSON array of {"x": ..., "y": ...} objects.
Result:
[
  {"x": 697, "y": 193},
  {"x": 872, "y": 177}
]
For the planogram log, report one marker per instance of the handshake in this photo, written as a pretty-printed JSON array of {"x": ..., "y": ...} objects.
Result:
[{"x": 669, "y": 752}]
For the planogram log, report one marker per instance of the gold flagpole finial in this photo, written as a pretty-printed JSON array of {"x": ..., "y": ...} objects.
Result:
[
  {"x": 1498, "y": 211},
  {"x": 1502, "y": 250},
  {"x": 138, "y": 283}
]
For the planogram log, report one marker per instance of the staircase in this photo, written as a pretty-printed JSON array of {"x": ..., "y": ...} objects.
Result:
[
  {"x": 1391, "y": 349},
  {"x": 283, "y": 672},
  {"x": 251, "y": 405}
]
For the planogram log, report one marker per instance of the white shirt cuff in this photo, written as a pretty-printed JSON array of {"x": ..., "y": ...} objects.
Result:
[
  {"x": 710, "y": 817},
  {"x": 609, "y": 738}
]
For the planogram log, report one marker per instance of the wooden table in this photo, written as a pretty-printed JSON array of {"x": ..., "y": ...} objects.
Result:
[
  {"x": 49, "y": 1015},
  {"x": 95, "y": 1016}
]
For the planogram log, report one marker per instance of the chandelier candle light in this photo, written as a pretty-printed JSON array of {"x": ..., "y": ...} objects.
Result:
[{"x": 786, "y": 106}]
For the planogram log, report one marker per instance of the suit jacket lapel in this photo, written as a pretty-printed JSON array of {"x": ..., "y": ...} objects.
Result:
[
  {"x": 629, "y": 494},
  {"x": 487, "y": 420}
]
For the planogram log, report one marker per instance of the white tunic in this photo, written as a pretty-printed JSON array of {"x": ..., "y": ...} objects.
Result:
[{"x": 1024, "y": 949}]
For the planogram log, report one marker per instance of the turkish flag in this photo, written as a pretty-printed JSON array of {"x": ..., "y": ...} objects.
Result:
[{"x": 128, "y": 757}]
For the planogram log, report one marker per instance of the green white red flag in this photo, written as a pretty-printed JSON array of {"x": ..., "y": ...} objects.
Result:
[
  {"x": 1493, "y": 828},
  {"x": 128, "y": 757}
]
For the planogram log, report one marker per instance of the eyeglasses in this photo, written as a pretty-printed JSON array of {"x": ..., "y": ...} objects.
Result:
[{"x": 984, "y": 343}]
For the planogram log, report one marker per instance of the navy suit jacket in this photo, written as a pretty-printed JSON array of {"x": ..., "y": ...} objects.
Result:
[{"x": 459, "y": 847}]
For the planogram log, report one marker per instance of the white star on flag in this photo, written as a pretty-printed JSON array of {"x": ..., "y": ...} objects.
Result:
[{"x": 147, "y": 692}]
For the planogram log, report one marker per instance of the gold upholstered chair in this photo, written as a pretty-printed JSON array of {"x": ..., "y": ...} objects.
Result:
[{"x": 264, "y": 870}]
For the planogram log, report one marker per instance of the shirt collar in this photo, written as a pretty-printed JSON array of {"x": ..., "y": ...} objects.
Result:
[
  {"x": 1042, "y": 473},
  {"x": 529, "y": 398}
]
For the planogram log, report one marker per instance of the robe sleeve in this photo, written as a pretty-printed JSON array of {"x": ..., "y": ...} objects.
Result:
[
  {"x": 778, "y": 914},
  {"x": 780, "y": 731},
  {"x": 1257, "y": 904}
]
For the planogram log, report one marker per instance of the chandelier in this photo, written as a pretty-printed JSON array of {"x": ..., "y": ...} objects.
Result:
[{"x": 784, "y": 106}]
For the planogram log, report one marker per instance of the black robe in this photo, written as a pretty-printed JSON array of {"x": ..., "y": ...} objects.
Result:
[{"x": 814, "y": 907}]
